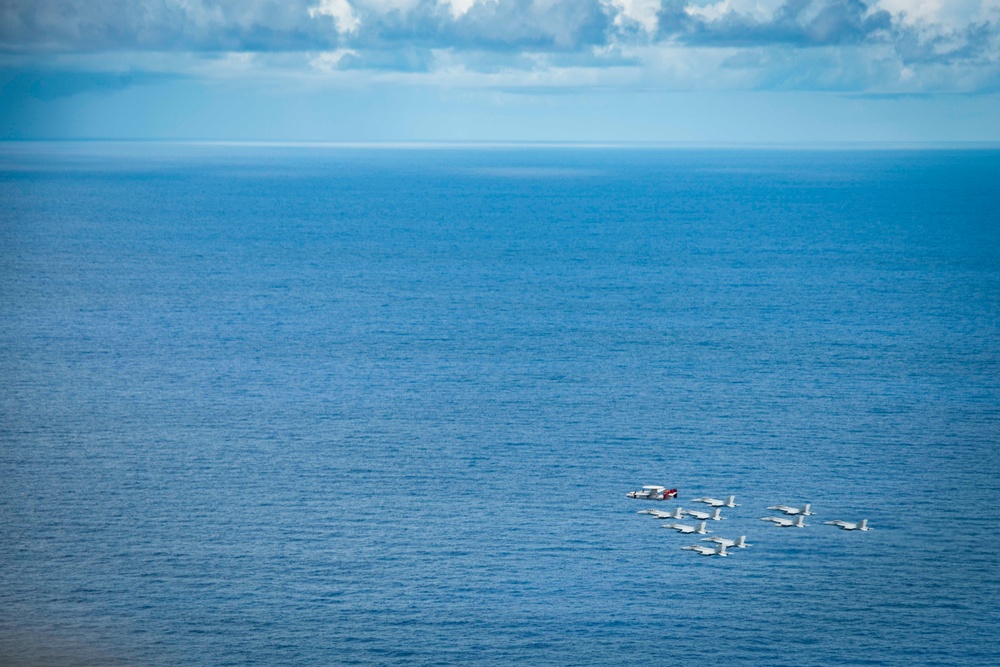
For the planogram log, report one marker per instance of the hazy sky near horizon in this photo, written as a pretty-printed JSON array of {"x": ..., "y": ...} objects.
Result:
[{"x": 563, "y": 70}]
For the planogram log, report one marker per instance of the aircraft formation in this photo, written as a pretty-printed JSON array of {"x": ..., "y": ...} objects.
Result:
[{"x": 794, "y": 517}]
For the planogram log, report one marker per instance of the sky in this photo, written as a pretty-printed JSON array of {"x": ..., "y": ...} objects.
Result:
[{"x": 655, "y": 71}]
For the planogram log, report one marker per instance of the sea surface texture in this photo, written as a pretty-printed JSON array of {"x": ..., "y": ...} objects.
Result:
[{"x": 278, "y": 405}]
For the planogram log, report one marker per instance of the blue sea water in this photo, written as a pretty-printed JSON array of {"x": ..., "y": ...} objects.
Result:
[{"x": 323, "y": 405}]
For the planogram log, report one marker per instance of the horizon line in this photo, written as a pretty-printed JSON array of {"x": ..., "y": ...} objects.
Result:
[{"x": 520, "y": 143}]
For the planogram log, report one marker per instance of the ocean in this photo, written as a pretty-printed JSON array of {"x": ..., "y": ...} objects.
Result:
[{"x": 363, "y": 405}]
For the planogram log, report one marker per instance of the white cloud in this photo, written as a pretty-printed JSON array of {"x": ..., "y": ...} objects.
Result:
[
  {"x": 458, "y": 7},
  {"x": 326, "y": 62},
  {"x": 758, "y": 10},
  {"x": 342, "y": 13},
  {"x": 386, "y": 6},
  {"x": 946, "y": 29},
  {"x": 642, "y": 12},
  {"x": 946, "y": 14}
]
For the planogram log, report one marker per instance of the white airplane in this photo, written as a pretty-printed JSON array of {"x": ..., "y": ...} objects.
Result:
[
  {"x": 740, "y": 543},
  {"x": 705, "y": 516},
  {"x": 792, "y": 510},
  {"x": 786, "y": 523},
  {"x": 651, "y": 492},
  {"x": 847, "y": 525},
  {"x": 677, "y": 513},
  {"x": 707, "y": 551},
  {"x": 682, "y": 528},
  {"x": 715, "y": 502}
]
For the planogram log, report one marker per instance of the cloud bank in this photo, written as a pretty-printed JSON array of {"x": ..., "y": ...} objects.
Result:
[{"x": 880, "y": 46}]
